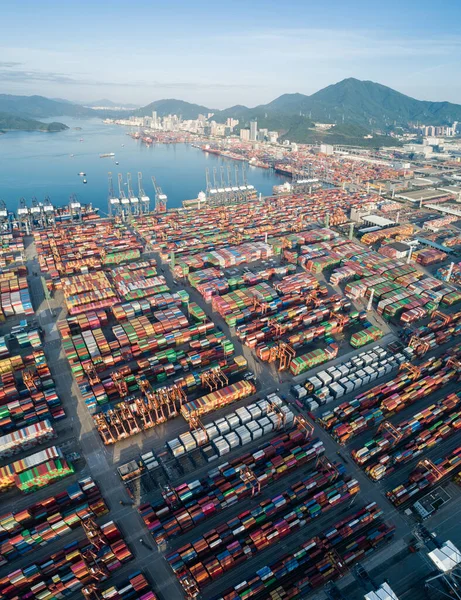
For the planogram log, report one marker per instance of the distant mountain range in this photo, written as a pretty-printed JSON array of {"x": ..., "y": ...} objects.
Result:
[
  {"x": 110, "y": 104},
  {"x": 357, "y": 108}
]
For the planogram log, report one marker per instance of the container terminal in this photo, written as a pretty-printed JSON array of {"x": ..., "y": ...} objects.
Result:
[{"x": 257, "y": 398}]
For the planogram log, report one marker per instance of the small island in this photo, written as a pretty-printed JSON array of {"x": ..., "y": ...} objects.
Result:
[{"x": 9, "y": 122}]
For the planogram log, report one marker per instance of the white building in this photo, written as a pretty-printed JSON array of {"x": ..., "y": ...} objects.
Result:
[
  {"x": 245, "y": 135},
  {"x": 253, "y": 131}
]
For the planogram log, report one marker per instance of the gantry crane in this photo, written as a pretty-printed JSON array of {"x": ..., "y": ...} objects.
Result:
[
  {"x": 24, "y": 217},
  {"x": 394, "y": 433},
  {"x": 419, "y": 346},
  {"x": 5, "y": 222},
  {"x": 323, "y": 463},
  {"x": 214, "y": 379},
  {"x": 170, "y": 495},
  {"x": 281, "y": 416},
  {"x": 125, "y": 207},
  {"x": 28, "y": 378},
  {"x": 97, "y": 570},
  {"x": 304, "y": 425},
  {"x": 104, "y": 430},
  {"x": 75, "y": 209},
  {"x": 260, "y": 306},
  {"x": 247, "y": 476},
  {"x": 120, "y": 383},
  {"x": 113, "y": 202},
  {"x": 160, "y": 198},
  {"x": 134, "y": 200},
  {"x": 430, "y": 467},
  {"x": 91, "y": 592},
  {"x": 89, "y": 368},
  {"x": 279, "y": 328},
  {"x": 152, "y": 408},
  {"x": 143, "y": 198},
  {"x": 442, "y": 316},
  {"x": 190, "y": 587},
  {"x": 456, "y": 364},
  {"x": 412, "y": 369},
  {"x": 282, "y": 351}
]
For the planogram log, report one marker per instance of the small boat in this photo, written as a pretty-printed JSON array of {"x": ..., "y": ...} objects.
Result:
[
  {"x": 84, "y": 181},
  {"x": 123, "y": 145},
  {"x": 72, "y": 155},
  {"x": 107, "y": 155},
  {"x": 81, "y": 139},
  {"x": 116, "y": 162},
  {"x": 82, "y": 174}
]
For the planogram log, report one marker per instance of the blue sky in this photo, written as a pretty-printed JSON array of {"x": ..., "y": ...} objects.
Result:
[{"x": 225, "y": 53}]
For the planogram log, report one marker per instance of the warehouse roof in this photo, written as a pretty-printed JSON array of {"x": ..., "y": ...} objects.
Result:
[
  {"x": 417, "y": 195},
  {"x": 447, "y": 558},
  {"x": 451, "y": 189},
  {"x": 385, "y": 592},
  {"x": 377, "y": 220},
  {"x": 399, "y": 246}
]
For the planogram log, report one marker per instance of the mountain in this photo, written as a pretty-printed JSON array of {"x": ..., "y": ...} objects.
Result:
[
  {"x": 171, "y": 106},
  {"x": 357, "y": 108},
  {"x": 363, "y": 103},
  {"x": 10, "y": 122},
  {"x": 39, "y": 107},
  {"x": 110, "y": 104}
]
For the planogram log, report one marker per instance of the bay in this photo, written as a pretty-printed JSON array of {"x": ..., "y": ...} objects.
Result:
[{"x": 37, "y": 164}]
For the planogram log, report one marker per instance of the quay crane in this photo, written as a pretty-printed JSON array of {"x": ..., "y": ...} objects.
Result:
[
  {"x": 75, "y": 209},
  {"x": 134, "y": 200},
  {"x": 143, "y": 198},
  {"x": 113, "y": 201},
  {"x": 5, "y": 223},
  {"x": 125, "y": 202},
  {"x": 24, "y": 217},
  {"x": 160, "y": 198}
]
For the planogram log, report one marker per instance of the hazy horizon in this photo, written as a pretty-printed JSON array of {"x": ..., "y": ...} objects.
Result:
[{"x": 220, "y": 56}]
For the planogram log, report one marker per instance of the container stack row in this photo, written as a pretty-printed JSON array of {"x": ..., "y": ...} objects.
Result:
[
  {"x": 313, "y": 564},
  {"x": 22, "y": 532},
  {"x": 69, "y": 569},
  {"x": 193, "y": 502}
]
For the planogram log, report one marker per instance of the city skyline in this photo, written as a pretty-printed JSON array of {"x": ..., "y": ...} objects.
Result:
[{"x": 221, "y": 56}]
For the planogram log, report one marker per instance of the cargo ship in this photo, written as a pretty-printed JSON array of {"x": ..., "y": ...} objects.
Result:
[{"x": 283, "y": 170}]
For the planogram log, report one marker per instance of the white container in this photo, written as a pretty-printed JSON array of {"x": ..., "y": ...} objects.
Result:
[
  {"x": 232, "y": 439},
  {"x": 243, "y": 415},
  {"x": 233, "y": 421},
  {"x": 223, "y": 426},
  {"x": 221, "y": 445},
  {"x": 266, "y": 425},
  {"x": 254, "y": 411},
  {"x": 243, "y": 434},
  {"x": 316, "y": 382},
  {"x": 325, "y": 377},
  {"x": 212, "y": 431},
  {"x": 188, "y": 441}
]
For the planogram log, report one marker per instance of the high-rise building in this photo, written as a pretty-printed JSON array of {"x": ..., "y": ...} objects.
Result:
[
  {"x": 253, "y": 131},
  {"x": 245, "y": 135},
  {"x": 154, "y": 119},
  {"x": 273, "y": 137},
  {"x": 231, "y": 122}
]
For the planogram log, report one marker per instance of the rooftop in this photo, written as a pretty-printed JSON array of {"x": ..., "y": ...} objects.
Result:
[{"x": 377, "y": 220}]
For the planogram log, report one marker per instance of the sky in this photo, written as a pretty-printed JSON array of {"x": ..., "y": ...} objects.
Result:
[{"x": 224, "y": 53}]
